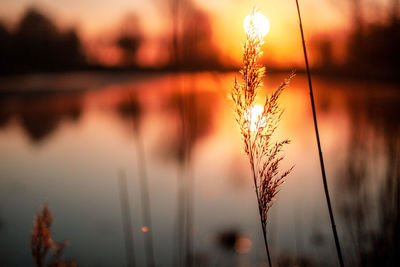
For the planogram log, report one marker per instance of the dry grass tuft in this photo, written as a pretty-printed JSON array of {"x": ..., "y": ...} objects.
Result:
[{"x": 42, "y": 242}]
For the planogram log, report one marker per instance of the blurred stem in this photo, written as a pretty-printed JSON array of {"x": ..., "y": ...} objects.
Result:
[
  {"x": 126, "y": 219},
  {"x": 181, "y": 215},
  {"x": 144, "y": 191},
  {"x": 146, "y": 211},
  {"x": 190, "y": 113},
  {"x": 189, "y": 219},
  {"x": 321, "y": 159}
]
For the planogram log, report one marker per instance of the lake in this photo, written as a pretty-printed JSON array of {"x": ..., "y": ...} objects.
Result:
[{"x": 75, "y": 141}]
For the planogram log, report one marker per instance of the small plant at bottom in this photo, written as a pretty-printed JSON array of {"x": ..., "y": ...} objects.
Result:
[{"x": 42, "y": 243}]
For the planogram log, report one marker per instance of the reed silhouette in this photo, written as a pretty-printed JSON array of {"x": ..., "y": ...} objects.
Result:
[
  {"x": 42, "y": 243},
  {"x": 321, "y": 159},
  {"x": 126, "y": 219},
  {"x": 131, "y": 108}
]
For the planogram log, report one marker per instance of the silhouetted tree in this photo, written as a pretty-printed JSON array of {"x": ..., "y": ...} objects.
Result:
[
  {"x": 129, "y": 45},
  {"x": 190, "y": 44},
  {"x": 325, "y": 49},
  {"x": 129, "y": 40},
  {"x": 40, "y": 114},
  {"x": 376, "y": 48},
  {"x": 198, "y": 49},
  {"x": 71, "y": 51},
  {"x": 35, "y": 41},
  {"x": 39, "y": 45},
  {"x": 5, "y": 45},
  {"x": 370, "y": 182},
  {"x": 372, "y": 46}
]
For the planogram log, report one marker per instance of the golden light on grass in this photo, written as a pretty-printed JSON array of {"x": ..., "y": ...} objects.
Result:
[
  {"x": 258, "y": 123},
  {"x": 255, "y": 118},
  {"x": 256, "y": 25}
]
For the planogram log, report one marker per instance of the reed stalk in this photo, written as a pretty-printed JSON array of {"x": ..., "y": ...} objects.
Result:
[
  {"x": 146, "y": 211},
  {"x": 178, "y": 249},
  {"x": 258, "y": 124},
  {"x": 190, "y": 135},
  {"x": 181, "y": 193},
  {"x": 147, "y": 228},
  {"x": 189, "y": 219},
  {"x": 126, "y": 219},
  {"x": 321, "y": 159}
]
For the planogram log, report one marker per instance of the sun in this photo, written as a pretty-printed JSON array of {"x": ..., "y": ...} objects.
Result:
[
  {"x": 254, "y": 115},
  {"x": 256, "y": 24}
]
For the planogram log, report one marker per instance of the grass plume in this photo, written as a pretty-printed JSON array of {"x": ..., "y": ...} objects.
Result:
[
  {"x": 42, "y": 243},
  {"x": 257, "y": 128}
]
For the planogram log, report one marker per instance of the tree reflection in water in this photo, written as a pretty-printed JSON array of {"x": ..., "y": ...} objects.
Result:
[
  {"x": 192, "y": 113},
  {"x": 40, "y": 114},
  {"x": 369, "y": 184}
]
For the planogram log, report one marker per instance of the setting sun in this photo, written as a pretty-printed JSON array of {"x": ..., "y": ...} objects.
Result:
[
  {"x": 256, "y": 24},
  {"x": 254, "y": 115}
]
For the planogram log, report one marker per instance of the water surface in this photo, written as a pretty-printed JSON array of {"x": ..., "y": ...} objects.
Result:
[{"x": 64, "y": 138}]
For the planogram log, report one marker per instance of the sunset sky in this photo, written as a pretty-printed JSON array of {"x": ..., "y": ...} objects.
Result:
[{"x": 97, "y": 18}]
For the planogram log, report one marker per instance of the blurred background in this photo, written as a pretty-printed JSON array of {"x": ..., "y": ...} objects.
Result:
[{"x": 101, "y": 96}]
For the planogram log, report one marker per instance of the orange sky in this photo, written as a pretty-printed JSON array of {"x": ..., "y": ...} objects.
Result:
[
  {"x": 283, "y": 38},
  {"x": 95, "y": 18}
]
